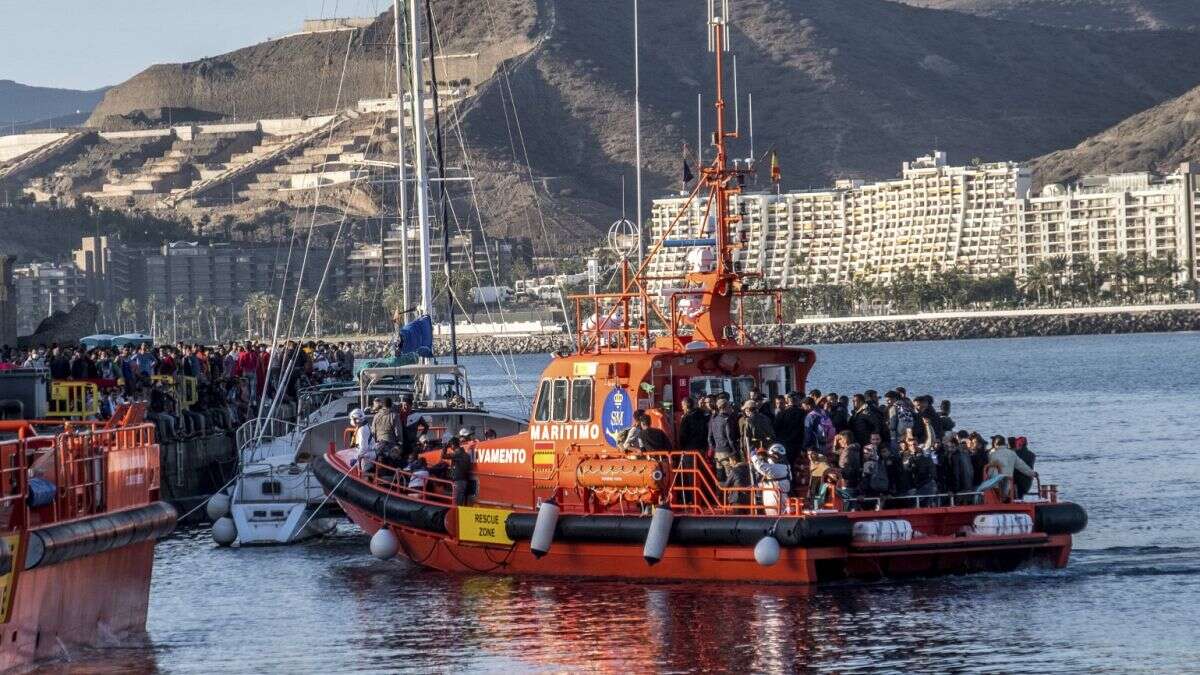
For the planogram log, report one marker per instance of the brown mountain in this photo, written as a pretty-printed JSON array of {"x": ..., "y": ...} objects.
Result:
[
  {"x": 1096, "y": 14},
  {"x": 840, "y": 88},
  {"x": 1156, "y": 140}
]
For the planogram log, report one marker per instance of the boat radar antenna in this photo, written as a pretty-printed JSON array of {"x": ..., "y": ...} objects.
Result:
[
  {"x": 702, "y": 306},
  {"x": 722, "y": 182}
]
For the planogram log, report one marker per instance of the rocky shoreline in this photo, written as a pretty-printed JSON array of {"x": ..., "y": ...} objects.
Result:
[{"x": 886, "y": 330}]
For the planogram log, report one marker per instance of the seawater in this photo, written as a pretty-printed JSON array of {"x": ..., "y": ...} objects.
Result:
[{"x": 1113, "y": 420}]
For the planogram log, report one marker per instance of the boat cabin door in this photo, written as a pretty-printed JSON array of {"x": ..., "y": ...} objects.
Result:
[{"x": 776, "y": 380}]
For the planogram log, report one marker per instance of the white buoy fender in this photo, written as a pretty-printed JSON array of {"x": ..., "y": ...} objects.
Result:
[
  {"x": 384, "y": 544},
  {"x": 766, "y": 551},
  {"x": 218, "y": 506},
  {"x": 224, "y": 532},
  {"x": 543, "y": 528},
  {"x": 658, "y": 535}
]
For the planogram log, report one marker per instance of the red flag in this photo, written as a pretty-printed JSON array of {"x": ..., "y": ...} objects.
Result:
[{"x": 776, "y": 174}]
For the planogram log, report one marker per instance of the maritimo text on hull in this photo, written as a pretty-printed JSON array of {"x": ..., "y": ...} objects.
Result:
[{"x": 564, "y": 499}]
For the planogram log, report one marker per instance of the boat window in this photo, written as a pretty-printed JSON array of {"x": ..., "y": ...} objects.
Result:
[
  {"x": 542, "y": 412},
  {"x": 581, "y": 399},
  {"x": 703, "y": 386},
  {"x": 560, "y": 400},
  {"x": 741, "y": 389}
]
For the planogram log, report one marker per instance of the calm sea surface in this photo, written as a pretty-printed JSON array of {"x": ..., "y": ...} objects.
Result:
[{"x": 1113, "y": 419}]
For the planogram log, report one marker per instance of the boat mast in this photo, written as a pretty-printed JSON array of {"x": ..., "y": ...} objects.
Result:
[
  {"x": 422, "y": 173},
  {"x": 637, "y": 143},
  {"x": 718, "y": 175},
  {"x": 401, "y": 185}
]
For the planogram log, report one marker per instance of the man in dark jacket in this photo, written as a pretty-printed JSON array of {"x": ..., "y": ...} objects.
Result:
[
  {"x": 959, "y": 471},
  {"x": 722, "y": 435},
  {"x": 839, "y": 412},
  {"x": 737, "y": 475},
  {"x": 926, "y": 413},
  {"x": 460, "y": 469},
  {"x": 1023, "y": 482},
  {"x": 789, "y": 428},
  {"x": 862, "y": 421},
  {"x": 755, "y": 429},
  {"x": 693, "y": 427}
]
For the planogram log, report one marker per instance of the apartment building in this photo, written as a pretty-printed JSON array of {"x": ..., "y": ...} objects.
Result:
[
  {"x": 1121, "y": 214},
  {"x": 480, "y": 259},
  {"x": 933, "y": 217},
  {"x": 224, "y": 275},
  {"x": 43, "y": 288}
]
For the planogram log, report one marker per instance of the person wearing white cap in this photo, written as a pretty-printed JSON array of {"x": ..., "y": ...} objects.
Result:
[
  {"x": 775, "y": 476},
  {"x": 363, "y": 439}
]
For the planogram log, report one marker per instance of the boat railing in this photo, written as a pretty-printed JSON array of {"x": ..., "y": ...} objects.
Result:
[
  {"x": 270, "y": 429},
  {"x": 72, "y": 470},
  {"x": 681, "y": 317},
  {"x": 14, "y": 479},
  {"x": 693, "y": 488},
  {"x": 387, "y": 478}
]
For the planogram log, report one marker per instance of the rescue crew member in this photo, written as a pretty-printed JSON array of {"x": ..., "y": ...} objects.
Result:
[
  {"x": 460, "y": 469},
  {"x": 776, "y": 477}
]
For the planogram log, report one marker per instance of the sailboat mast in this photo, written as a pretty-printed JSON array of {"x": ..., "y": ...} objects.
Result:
[
  {"x": 422, "y": 186},
  {"x": 402, "y": 183},
  {"x": 637, "y": 143}
]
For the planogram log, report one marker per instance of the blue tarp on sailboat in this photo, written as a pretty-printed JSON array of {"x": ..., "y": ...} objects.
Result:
[{"x": 416, "y": 338}]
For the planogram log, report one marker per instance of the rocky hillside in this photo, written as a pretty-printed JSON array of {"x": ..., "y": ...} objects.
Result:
[
  {"x": 39, "y": 107},
  {"x": 1094, "y": 14},
  {"x": 1156, "y": 140},
  {"x": 302, "y": 74},
  {"x": 841, "y": 88}
]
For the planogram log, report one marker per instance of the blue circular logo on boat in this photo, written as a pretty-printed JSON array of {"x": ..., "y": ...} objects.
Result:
[{"x": 617, "y": 414}]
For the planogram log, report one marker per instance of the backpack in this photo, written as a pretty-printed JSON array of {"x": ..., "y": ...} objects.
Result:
[
  {"x": 905, "y": 417},
  {"x": 827, "y": 430}
]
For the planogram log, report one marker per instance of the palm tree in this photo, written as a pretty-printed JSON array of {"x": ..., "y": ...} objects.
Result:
[
  {"x": 393, "y": 300},
  {"x": 127, "y": 309},
  {"x": 355, "y": 299}
]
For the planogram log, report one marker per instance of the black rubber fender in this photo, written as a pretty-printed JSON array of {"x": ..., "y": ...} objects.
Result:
[
  {"x": 691, "y": 530},
  {"x": 1061, "y": 518},
  {"x": 96, "y": 534},
  {"x": 392, "y": 508}
]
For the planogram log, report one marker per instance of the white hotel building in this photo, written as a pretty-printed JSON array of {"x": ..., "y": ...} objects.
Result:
[{"x": 980, "y": 219}]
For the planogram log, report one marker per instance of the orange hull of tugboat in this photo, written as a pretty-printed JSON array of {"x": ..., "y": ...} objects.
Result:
[
  {"x": 77, "y": 557},
  {"x": 437, "y": 537},
  {"x": 567, "y": 497}
]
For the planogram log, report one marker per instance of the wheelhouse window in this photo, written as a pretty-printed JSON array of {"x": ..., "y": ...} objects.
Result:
[
  {"x": 581, "y": 400},
  {"x": 559, "y": 398},
  {"x": 542, "y": 412}
]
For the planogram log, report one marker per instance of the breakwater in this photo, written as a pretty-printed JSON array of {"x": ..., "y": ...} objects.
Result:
[{"x": 906, "y": 328}]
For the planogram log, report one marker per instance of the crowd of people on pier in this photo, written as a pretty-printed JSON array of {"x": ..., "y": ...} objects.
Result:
[
  {"x": 894, "y": 451},
  {"x": 231, "y": 379}
]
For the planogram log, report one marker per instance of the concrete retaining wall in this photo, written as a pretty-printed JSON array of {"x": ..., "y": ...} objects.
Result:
[
  {"x": 292, "y": 125},
  {"x": 143, "y": 133},
  {"x": 230, "y": 128},
  {"x": 16, "y": 145}
]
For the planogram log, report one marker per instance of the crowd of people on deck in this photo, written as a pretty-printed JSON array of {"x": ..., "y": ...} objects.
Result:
[
  {"x": 231, "y": 379},
  {"x": 396, "y": 438},
  {"x": 898, "y": 451}
]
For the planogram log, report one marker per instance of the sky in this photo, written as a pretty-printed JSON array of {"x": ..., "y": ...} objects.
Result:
[{"x": 86, "y": 44}]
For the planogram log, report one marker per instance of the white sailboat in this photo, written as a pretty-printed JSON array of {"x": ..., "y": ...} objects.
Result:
[{"x": 275, "y": 499}]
